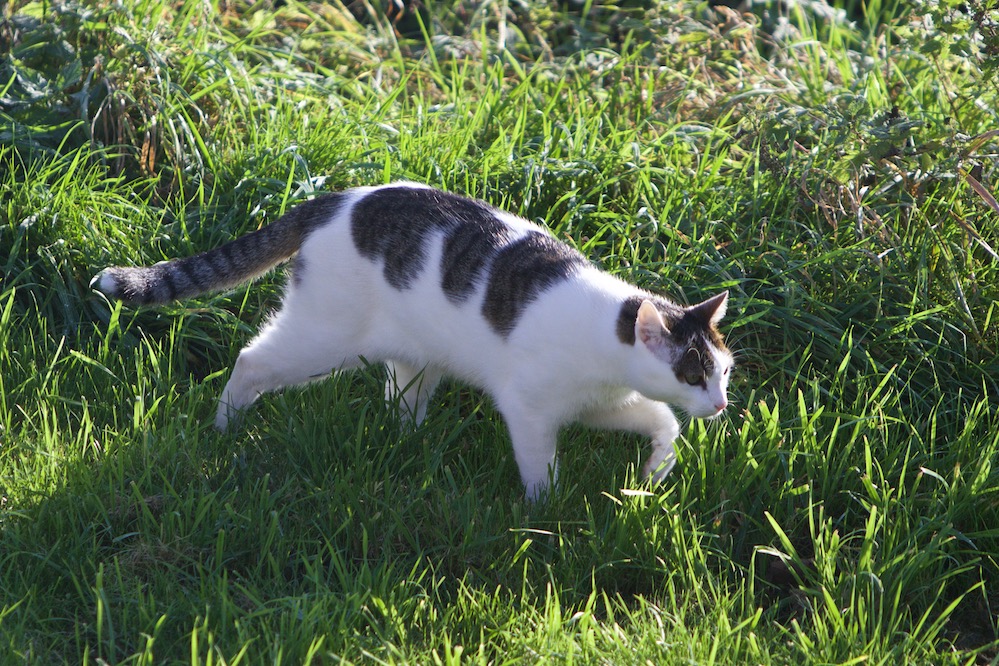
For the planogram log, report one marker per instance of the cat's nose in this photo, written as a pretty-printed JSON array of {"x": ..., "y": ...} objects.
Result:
[{"x": 720, "y": 406}]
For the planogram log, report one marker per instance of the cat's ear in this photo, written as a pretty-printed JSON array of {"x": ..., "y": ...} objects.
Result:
[
  {"x": 714, "y": 308},
  {"x": 649, "y": 325}
]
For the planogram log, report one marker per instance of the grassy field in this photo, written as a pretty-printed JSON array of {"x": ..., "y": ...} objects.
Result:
[{"x": 836, "y": 176}]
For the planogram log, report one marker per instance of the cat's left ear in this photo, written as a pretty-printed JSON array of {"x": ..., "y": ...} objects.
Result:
[
  {"x": 714, "y": 308},
  {"x": 649, "y": 325}
]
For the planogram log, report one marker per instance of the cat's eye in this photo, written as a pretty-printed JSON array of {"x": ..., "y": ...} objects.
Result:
[{"x": 694, "y": 378}]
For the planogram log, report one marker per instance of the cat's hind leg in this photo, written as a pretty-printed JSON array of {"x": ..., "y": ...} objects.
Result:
[
  {"x": 412, "y": 386},
  {"x": 286, "y": 353},
  {"x": 645, "y": 417}
]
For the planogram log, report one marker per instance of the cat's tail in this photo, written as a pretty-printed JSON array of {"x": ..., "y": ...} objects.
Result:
[{"x": 225, "y": 267}]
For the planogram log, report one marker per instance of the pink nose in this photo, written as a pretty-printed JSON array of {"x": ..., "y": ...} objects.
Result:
[{"x": 719, "y": 406}]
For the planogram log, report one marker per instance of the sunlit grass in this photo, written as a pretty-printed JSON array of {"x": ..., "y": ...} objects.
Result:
[{"x": 843, "y": 511}]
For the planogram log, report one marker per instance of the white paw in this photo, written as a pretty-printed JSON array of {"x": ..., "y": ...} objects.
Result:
[
  {"x": 222, "y": 417},
  {"x": 658, "y": 467}
]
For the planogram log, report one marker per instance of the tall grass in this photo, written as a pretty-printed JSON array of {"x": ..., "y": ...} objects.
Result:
[{"x": 835, "y": 177}]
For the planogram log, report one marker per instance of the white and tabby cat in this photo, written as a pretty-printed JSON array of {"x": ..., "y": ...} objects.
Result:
[{"x": 436, "y": 284}]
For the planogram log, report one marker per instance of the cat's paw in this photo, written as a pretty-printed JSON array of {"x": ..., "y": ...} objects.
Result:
[
  {"x": 661, "y": 462},
  {"x": 222, "y": 417}
]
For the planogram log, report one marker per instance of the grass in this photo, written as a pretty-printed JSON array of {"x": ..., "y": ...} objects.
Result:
[{"x": 835, "y": 177}]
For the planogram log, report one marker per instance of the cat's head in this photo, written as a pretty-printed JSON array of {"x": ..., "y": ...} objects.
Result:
[{"x": 681, "y": 358}]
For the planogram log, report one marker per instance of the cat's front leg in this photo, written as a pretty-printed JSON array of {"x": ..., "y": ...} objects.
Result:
[
  {"x": 646, "y": 417},
  {"x": 661, "y": 460},
  {"x": 533, "y": 437},
  {"x": 412, "y": 387}
]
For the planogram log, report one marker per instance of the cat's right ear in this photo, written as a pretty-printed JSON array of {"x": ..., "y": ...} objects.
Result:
[
  {"x": 714, "y": 308},
  {"x": 649, "y": 325}
]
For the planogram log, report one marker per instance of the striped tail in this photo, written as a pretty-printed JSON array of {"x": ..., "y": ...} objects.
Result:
[{"x": 225, "y": 267}]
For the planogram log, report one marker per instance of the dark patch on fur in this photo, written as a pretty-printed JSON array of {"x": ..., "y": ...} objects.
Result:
[
  {"x": 693, "y": 324},
  {"x": 313, "y": 214},
  {"x": 296, "y": 268},
  {"x": 520, "y": 272},
  {"x": 168, "y": 286},
  {"x": 626, "y": 319},
  {"x": 695, "y": 335},
  {"x": 694, "y": 362},
  {"x": 185, "y": 269},
  {"x": 394, "y": 224},
  {"x": 227, "y": 254},
  {"x": 468, "y": 251},
  {"x": 628, "y": 315},
  {"x": 691, "y": 333}
]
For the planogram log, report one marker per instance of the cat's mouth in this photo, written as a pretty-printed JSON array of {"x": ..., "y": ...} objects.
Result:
[{"x": 708, "y": 414}]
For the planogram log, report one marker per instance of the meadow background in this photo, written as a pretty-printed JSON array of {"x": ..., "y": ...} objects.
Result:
[{"x": 834, "y": 168}]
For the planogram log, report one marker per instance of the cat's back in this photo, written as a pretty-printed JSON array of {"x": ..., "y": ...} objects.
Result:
[
  {"x": 421, "y": 241},
  {"x": 439, "y": 276}
]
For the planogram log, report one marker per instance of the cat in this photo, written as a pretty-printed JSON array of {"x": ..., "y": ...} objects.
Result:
[{"x": 436, "y": 284}]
